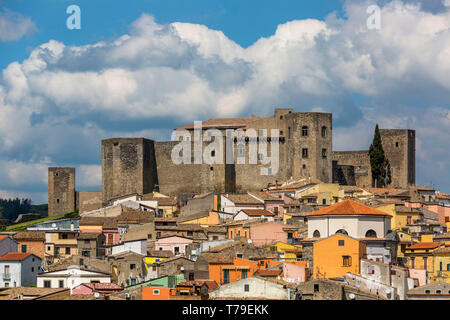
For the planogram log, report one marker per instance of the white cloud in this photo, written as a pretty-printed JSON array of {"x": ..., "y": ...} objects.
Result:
[
  {"x": 62, "y": 100},
  {"x": 14, "y": 26}
]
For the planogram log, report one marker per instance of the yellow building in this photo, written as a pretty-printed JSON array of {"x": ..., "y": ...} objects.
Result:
[
  {"x": 204, "y": 218},
  {"x": 405, "y": 242},
  {"x": 285, "y": 251},
  {"x": 420, "y": 255},
  {"x": 320, "y": 193},
  {"x": 60, "y": 245},
  {"x": 166, "y": 205},
  {"x": 336, "y": 255},
  {"x": 346, "y": 192},
  {"x": 401, "y": 215},
  {"x": 441, "y": 265}
]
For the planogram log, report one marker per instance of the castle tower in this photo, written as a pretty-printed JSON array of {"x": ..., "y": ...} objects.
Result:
[
  {"x": 61, "y": 190},
  {"x": 399, "y": 146},
  {"x": 309, "y": 145},
  {"x": 128, "y": 166}
]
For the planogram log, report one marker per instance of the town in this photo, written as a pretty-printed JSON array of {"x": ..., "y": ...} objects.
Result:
[{"x": 327, "y": 225}]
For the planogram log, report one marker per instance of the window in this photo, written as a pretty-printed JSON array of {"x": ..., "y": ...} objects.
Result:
[
  {"x": 304, "y": 166},
  {"x": 448, "y": 267},
  {"x": 289, "y": 132},
  {"x": 189, "y": 233},
  {"x": 305, "y": 153},
  {"x": 57, "y": 200},
  {"x": 260, "y": 132},
  {"x": 149, "y": 236},
  {"x": 281, "y": 132},
  {"x": 226, "y": 276},
  {"x": 324, "y": 153},
  {"x": 24, "y": 248},
  {"x": 269, "y": 171},
  {"x": 245, "y": 234},
  {"x": 241, "y": 150},
  {"x": 425, "y": 263},
  {"x": 64, "y": 235},
  {"x": 316, "y": 287},
  {"x": 413, "y": 262},
  {"x": 324, "y": 132},
  {"x": 231, "y": 234},
  {"x": 176, "y": 250},
  {"x": 246, "y": 287},
  {"x": 132, "y": 266},
  {"x": 260, "y": 156},
  {"x": 239, "y": 255},
  {"x": 438, "y": 291},
  {"x": 304, "y": 131},
  {"x": 213, "y": 153},
  {"x": 346, "y": 261},
  {"x": 86, "y": 241},
  {"x": 158, "y": 234},
  {"x": 396, "y": 144},
  {"x": 47, "y": 284},
  {"x": 61, "y": 283},
  {"x": 427, "y": 291},
  {"x": 341, "y": 243},
  {"x": 156, "y": 292},
  {"x": 371, "y": 234},
  {"x": 67, "y": 250},
  {"x": 342, "y": 231},
  {"x": 133, "y": 281},
  {"x": 316, "y": 234},
  {"x": 243, "y": 274},
  {"x": 32, "y": 269},
  {"x": 261, "y": 263},
  {"x": 49, "y": 248},
  {"x": 440, "y": 266},
  {"x": 281, "y": 117},
  {"x": 324, "y": 201}
]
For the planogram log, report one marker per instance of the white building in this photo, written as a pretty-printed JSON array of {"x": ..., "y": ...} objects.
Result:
[
  {"x": 137, "y": 246},
  {"x": 233, "y": 203},
  {"x": 246, "y": 214},
  {"x": 71, "y": 277},
  {"x": 350, "y": 218},
  {"x": 253, "y": 288},
  {"x": 19, "y": 269}
]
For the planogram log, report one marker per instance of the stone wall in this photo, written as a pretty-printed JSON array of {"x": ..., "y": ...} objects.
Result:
[
  {"x": 88, "y": 200},
  {"x": 61, "y": 190},
  {"x": 360, "y": 161}
]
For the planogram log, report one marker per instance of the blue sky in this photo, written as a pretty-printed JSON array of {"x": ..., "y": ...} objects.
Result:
[{"x": 140, "y": 68}]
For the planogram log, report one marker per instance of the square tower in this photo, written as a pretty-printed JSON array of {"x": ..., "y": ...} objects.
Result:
[
  {"x": 61, "y": 190},
  {"x": 128, "y": 167}
]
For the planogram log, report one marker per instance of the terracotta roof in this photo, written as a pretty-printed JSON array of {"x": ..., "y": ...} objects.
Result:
[
  {"x": 211, "y": 284},
  {"x": 222, "y": 123},
  {"x": 217, "y": 229},
  {"x": 88, "y": 235},
  {"x": 30, "y": 235},
  {"x": 103, "y": 286},
  {"x": 14, "y": 256},
  {"x": 348, "y": 207},
  {"x": 266, "y": 197},
  {"x": 424, "y": 245},
  {"x": 160, "y": 253},
  {"x": 243, "y": 199},
  {"x": 423, "y": 188},
  {"x": 269, "y": 273},
  {"x": 3, "y": 236},
  {"x": 442, "y": 250},
  {"x": 443, "y": 195},
  {"x": 257, "y": 212}
]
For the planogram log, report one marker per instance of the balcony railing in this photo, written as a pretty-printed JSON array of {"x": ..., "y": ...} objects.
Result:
[{"x": 6, "y": 276}]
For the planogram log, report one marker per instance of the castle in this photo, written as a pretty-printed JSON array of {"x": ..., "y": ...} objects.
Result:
[{"x": 139, "y": 165}]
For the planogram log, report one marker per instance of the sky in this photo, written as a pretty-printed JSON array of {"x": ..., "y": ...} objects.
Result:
[{"x": 139, "y": 68}]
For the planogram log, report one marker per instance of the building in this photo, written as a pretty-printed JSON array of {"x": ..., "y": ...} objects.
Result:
[
  {"x": 61, "y": 191},
  {"x": 7, "y": 244},
  {"x": 351, "y": 218},
  {"x": 31, "y": 242},
  {"x": 19, "y": 269},
  {"x": 441, "y": 265},
  {"x": 233, "y": 203},
  {"x": 175, "y": 244},
  {"x": 432, "y": 291},
  {"x": 157, "y": 293},
  {"x": 246, "y": 214},
  {"x": 420, "y": 256},
  {"x": 255, "y": 288},
  {"x": 71, "y": 277},
  {"x": 60, "y": 245},
  {"x": 231, "y": 270},
  {"x": 172, "y": 266},
  {"x": 135, "y": 245},
  {"x": 91, "y": 244},
  {"x": 337, "y": 255},
  {"x": 127, "y": 268}
]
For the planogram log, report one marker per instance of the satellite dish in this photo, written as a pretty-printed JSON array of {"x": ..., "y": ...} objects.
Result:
[
  {"x": 388, "y": 291},
  {"x": 351, "y": 296}
]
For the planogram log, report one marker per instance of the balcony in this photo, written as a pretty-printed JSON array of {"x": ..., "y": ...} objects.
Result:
[{"x": 6, "y": 276}]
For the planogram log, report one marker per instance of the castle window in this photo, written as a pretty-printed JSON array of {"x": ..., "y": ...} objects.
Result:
[
  {"x": 324, "y": 131},
  {"x": 211, "y": 168},
  {"x": 304, "y": 131},
  {"x": 56, "y": 173},
  {"x": 281, "y": 132},
  {"x": 261, "y": 132},
  {"x": 305, "y": 153},
  {"x": 57, "y": 200},
  {"x": 213, "y": 153},
  {"x": 289, "y": 132},
  {"x": 240, "y": 150},
  {"x": 269, "y": 171},
  {"x": 281, "y": 117},
  {"x": 396, "y": 144},
  {"x": 324, "y": 153},
  {"x": 304, "y": 166}
]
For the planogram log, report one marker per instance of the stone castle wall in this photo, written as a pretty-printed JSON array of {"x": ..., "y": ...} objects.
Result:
[{"x": 61, "y": 190}]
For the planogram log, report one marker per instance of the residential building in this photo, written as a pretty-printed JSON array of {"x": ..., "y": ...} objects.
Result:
[
  {"x": 175, "y": 244},
  {"x": 271, "y": 203},
  {"x": 441, "y": 265},
  {"x": 246, "y": 214},
  {"x": 19, "y": 269},
  {"x": 31, "y": 242},
  {"x": 233, "y": 203},
  {"x": 91, "y": 244},
  {"x": 172, "y": 266},
  {"x": 127, "y": 268},
  {"x": 136, "y": 245},
  {"x": 71, "y": 277},
  {"x": 432, "y": 291},
  {"x": 96, "y": 288},
  {"x": 7, "y": 244},
  {"x": 60, "y": 245}
]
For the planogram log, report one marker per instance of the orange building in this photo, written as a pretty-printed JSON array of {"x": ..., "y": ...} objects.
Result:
[
  {"x": 157, "y": 293},
  {"x": 31, "y": 242},
  {"x": 239, "y": 230},
  {"x": 226, "y": 272},
  {"x": 336, "y": 255}
]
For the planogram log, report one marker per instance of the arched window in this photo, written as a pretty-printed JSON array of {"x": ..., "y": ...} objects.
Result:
[
  {"x": 324, "y": 131},
  {"x": 316, "y": 234},
  {"x": 342, "y": 231},
  {"x": 241, "y": 150},
  {"x": 304, "y": 131},
  {"x": 371, "y": 234}
]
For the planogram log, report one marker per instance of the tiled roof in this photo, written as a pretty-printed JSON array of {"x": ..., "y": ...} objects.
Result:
[
  {"x": 423, "y": 188},
  {"x": 269, "y": 273},
  {"x": 266, "y": 197},
  {"x": 348, "y": 207},
  {"x": 162, "y": 201},
  {"x": 103, "y": 286},
  {"x": 423, "y": 245},
  {"x": 14, "y": 256},
  {"x": 88, "y": 235},
  {"x": 442, "y": 195},
  {"x": 257, "y": 212},
  {"x": 442, "y": 250},
  {"x": 243, "y": 199},
  {"x": 30, "y": 235},
  {"x": 106, "y": 222},
  {"x": 160, "y": 253},
  {"x": 211, "y": 284},
  {"x": 3, "y": 236}
]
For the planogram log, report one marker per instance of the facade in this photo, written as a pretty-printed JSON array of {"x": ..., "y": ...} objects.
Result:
[
  {"x": 61, "y": 191},
  {"x": 31, "y": 242},
  {"x": 246, "y": 214},
  {"x": 19, "y": 269},
  {"x": 7, "y": 244},
  {"x": 337, "y": 255},
  {"x": 60, "y": 245},
  {"x": 127, "y": 268},
  {"x": 138, "y": 246},
  {"x": 91, "y": 244},
  {"x": 432, "y": 291},
  {"x": 71, "y": 277},
  {"x": 177, "y": 245},
  {"x": 348, "y": 217}
]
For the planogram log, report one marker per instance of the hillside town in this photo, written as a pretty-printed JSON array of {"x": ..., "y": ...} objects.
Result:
[{"x": 300, "y": 238}]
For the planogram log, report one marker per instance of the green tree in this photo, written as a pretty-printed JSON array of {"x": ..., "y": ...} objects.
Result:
[{"x": 379, "y": 164}]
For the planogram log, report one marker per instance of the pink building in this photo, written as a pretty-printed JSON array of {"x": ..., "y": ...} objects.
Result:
[
  {"x": 442, "y": 211},
  {"x": 176, "y": 244},
  {"x": 271, "y": 203},
  {"x": 294, "y": 273},
  {"x": 91, "y": 288},
  {"x": 420, "y": 275},
  {"x": 268, "y": 232}
]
